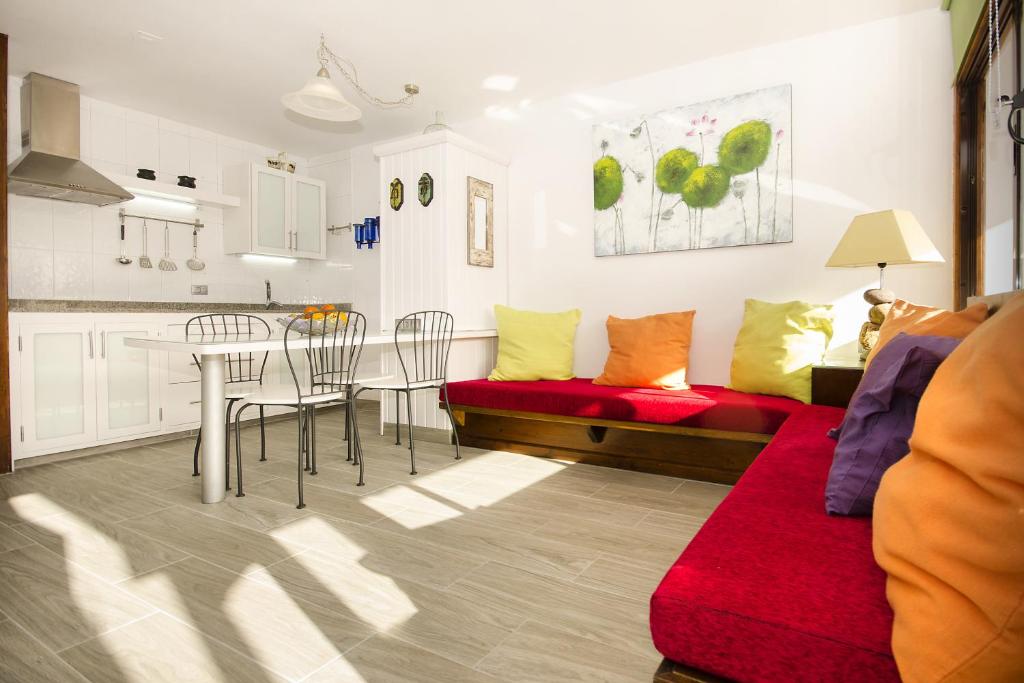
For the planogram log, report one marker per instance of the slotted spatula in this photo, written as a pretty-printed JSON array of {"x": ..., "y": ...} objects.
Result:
[
  {"x": 195, "y": 263},
  {"x": 166, "y": 264},
  {"x": 144, "y": 260}
]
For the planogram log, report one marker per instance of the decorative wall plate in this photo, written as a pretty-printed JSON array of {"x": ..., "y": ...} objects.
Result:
[
  {"x": 397, "y": 194},
  {"x": 426, "y": 189}
]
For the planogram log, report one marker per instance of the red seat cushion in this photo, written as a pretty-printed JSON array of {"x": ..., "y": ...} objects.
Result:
[
  {"x": 774, "y": 589},
  {"x": 708, "y": 407}
]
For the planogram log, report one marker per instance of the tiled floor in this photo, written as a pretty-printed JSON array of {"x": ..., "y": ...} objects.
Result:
[{"x": 497, "y": 567}]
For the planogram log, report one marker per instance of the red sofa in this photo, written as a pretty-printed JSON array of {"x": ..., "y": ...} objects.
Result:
[{"x": 774, "y": 589}]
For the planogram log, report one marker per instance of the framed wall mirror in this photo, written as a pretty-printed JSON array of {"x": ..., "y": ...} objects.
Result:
[{"x": 480, "y": 223}]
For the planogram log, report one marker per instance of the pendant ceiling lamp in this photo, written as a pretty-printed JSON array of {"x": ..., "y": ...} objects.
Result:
[{"x": 321, "y": 99}]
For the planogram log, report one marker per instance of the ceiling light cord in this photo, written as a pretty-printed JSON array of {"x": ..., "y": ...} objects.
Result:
[{"x": 348, "y": 70}]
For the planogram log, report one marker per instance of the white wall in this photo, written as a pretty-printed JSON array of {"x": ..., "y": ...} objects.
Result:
[
  {"x": 61, "y": 250},
  {"x": 872, "y": 129}
]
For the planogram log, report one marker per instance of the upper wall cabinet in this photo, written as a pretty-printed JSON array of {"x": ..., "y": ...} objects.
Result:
[{"x": 281, "y": 214}]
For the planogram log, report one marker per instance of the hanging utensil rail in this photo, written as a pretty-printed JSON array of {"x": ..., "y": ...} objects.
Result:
[{"x": 195, "y": 224}]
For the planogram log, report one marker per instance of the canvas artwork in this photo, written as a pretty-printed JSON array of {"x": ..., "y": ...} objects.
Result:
[{"x": 713, "y": 174}]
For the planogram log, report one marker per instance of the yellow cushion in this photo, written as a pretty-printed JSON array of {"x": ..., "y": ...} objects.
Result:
[
  {"x": 913, "y": 319},
  {"x": 949, "y": 517},
  {"x": 534, "y": 346},
  {"x": 776, "y": 346},
  {"x": 650, "y": 352}
]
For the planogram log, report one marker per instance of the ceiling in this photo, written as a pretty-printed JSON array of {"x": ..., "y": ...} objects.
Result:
[{"x": 224, "y": 64}]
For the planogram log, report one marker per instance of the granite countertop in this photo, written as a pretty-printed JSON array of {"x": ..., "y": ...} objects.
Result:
[{"x": 81, "y": 306}]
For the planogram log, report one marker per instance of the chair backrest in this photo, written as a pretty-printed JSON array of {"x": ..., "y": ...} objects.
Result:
[
  {"x": 238, "y": 367},
  {"x": 331, "y": 358},
  {"x": 426, "y": 340}
]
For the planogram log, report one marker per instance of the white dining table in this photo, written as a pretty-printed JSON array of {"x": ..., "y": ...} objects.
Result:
[{"x": 213, "y": 349}]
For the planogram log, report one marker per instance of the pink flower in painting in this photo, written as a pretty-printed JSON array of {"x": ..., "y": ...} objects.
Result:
[
  {"x": 779, "y": 133},
  {"x": 705, "y": 125}
]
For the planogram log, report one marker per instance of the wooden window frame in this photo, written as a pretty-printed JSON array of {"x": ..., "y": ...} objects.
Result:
[
  {"x": 969, "y": 125},
  {"x": 6, "y": 456}
]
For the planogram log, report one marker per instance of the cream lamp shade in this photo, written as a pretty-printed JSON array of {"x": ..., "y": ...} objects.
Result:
[
  {"x": 321, "y": 99},
  {"x": 882, "y": 238}
]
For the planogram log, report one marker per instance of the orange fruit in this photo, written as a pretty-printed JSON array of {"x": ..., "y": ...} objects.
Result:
[
  {"x": 328, "y": 307},
  {"x": 317, "y": 316},
  {"x": 308, "y": 311}
]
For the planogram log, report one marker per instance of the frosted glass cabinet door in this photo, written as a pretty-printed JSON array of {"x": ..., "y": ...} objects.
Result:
[
  {"x": 270, "y": 207},
  {"x": 58, "y": 399},
  {"x": 310, "y": 217},
  {"x": 127, "y": 382}
]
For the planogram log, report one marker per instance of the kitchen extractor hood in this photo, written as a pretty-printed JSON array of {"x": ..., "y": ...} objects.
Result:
[{"x": 49, "y": 165}]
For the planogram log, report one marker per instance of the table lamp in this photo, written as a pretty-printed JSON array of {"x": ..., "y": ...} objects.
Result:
[{"x": 882, "y": 238}]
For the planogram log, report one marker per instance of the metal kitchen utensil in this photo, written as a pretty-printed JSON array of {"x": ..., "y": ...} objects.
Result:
[
  {"x": 195, "y": 263},
  {"x": 123, "y": 258},
  {"x": 144, "y": 261},
  {"x": 166, "y": 264}
]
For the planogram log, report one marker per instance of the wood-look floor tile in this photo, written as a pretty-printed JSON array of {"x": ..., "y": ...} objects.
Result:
[
  {"x": 104, "y": 548},
  {"x": 336, "y": 478},
  {"x": 386, "y": 659},
  {"x": 130, "y": 475},
  {"x": 692, "y": 497},
  {"x": 547, "y": 502},
  {"x": 683, "y": 526},
  {"x": 632, "y": 544},
  {"x": 257, "y": 618},
  {"x": 59, "y": 602},
  {"x": 11, "y": 538},
  {"x": 22, "y": 498},
  {"x": 23, "y": 659},
  {"x": 547, "y": 655},
  {"x": 322, "y": 500},
  {"x": 254, "y": 512},
  {"x": 522, "y": 550},
  {"x": 621, "y": 578},
  {"x": 159, "y": 649},
  {"x": 96, "y": 497},
  {"x": 452, "y": 627},
  {"x": 228, "y": 545},
  {"x": 383, "y": 552},
  {"x": 594, "y": 614}
]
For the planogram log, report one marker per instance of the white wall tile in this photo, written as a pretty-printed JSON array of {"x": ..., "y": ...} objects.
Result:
[
  {"x": 144, "y": 285},
  {"x": 31, "y": 222},
  {"x": 143, "y": 146},
  {"x": 105, "y": 232},
  {"x": 110, "y": 279},
  {"x": 72, "y": 275},
  {"x": 31, "y": 273},
  {"x": 72, "y": 226}
]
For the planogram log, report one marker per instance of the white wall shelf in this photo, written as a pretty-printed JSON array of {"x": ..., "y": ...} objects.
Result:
[{"x": 153, "y": 188}]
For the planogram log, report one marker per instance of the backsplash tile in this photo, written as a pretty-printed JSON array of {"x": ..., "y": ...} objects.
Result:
[
  {"x": 31, "y": 273},
  {"x": 72, "y": 275}
]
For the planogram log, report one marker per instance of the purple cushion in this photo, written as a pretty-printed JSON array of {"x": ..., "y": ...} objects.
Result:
[{"x": 880, "y": 418}]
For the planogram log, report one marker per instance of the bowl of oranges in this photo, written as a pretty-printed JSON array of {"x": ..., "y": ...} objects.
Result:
[{"x": 316, "y": 320}]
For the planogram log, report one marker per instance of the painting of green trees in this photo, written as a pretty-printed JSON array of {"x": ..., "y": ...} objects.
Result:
[{"x": 712, "y": 174}]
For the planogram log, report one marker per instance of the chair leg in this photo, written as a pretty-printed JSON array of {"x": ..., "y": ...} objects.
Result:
[
  {"x": 398, "y": 423},
  {"x": 263, "y": 438},
  {"x": 238, "y": 450},
  {"x": 347, "y": 415},
  {"x": 195, "y": 454},
  {"x": 349, "y": 444},
  {"x": 451, "y": 418},
  {"x": 412, "y": 448},
  {"x": 312, "y": 438},
  {"x": 358, "y": 451},
  {"x": 227, "y": 445},
  {"x": 302, "y": 502},
  {"x": 304, "y": 437}
]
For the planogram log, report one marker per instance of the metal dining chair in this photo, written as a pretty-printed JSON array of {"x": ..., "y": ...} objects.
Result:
[
  {"x": 239, "y": 368},
  {"x": 422, "y": 342},
  {"x": 323, "y": 373}
]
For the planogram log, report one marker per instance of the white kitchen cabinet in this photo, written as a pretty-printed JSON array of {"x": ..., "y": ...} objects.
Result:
[
  {"x": 280, "y": 214},
  {"x": 127, "y": 382},
  {"x": 58, "y": 385}
]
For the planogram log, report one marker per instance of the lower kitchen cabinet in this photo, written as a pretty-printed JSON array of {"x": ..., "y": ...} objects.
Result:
[{"x": 76, "y": 384}]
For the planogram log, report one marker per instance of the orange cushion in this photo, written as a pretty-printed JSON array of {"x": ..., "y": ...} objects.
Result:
[
  {"x": 913, "y": 319},
  {"x": 651, "y": 352},
  {"x": 949, "y": 517}
]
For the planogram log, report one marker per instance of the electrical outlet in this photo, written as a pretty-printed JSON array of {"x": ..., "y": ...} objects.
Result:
[
  {"x": 408, "y": 325},
  {"x": 201, "y": 289}
]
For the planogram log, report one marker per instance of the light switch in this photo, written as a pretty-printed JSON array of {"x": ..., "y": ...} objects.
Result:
[{"x": 201, "y": 289}]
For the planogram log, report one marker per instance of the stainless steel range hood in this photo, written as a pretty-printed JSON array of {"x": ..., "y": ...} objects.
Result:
[{"x": 49, "y": 165}]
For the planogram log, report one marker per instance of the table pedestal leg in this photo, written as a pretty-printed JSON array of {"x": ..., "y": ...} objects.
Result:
[{"x": 213, "y": 428}]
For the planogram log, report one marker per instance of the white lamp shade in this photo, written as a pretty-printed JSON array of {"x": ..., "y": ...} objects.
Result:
[
  {"x": 321, "y": 99},
  {"x": 892, "y": 237}
]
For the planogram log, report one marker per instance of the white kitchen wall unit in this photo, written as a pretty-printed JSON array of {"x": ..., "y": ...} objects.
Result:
[
  {"x": 424, "y": 252},
  {"x": 204, "y": 194},
  {"x": 75, "y": 384},
  {"x": 280, "y": 213}
]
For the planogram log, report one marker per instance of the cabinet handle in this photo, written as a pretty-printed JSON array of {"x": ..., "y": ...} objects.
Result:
[
  {"x": 295, "y": 241},
  {"x": 92, "y": 353},
  {"x": 195, "y": 403},
  {"x": 103, "y": 344}
]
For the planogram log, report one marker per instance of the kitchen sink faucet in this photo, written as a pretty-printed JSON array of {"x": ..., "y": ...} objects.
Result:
[{"x": 270, "y": 300}]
